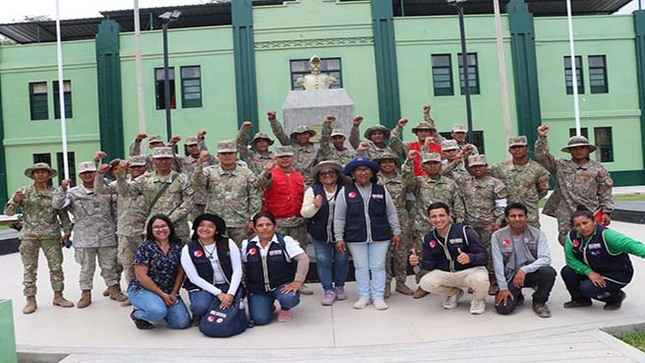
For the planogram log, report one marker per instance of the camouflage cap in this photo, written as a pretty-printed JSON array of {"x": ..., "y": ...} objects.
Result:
[
  {"x": 337, "y": 132},
  {"x": 138, "y": 160},
  {"x": 226, "y": 146},
  {"x": 430, "y": 158},
  {"x": 283, "y": 151},
  {"x": 261, "y": 136},
  {"x": 474, "y": 160},
  {"x": 386, "y": 156},
  {"x": 163, "y": 152},
  {"x": 153, "y": 139},
  {"x": 40, "y": 166},
  {"x": 301, "y": 130},
  {"x": 576, "y": 141},
  {"x": 518, "y": 141},
  {"x": 459, "y": 128},
  {"x": 191, "y": 140},
  {"x": 424, "y": 125},
  {"x": 373, "y": 129},
  {"x": 86, "y": 166},
  {"x": 447, "y": 145}
]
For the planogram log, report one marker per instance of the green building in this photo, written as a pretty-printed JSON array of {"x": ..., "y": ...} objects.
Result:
[{"x": 231, "y": 62}]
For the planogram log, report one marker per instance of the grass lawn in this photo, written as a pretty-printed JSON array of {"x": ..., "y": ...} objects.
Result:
[{"x": 636, "y": 339}]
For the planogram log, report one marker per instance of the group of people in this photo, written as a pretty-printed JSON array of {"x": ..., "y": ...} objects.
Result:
[{"x": 434, "y": 204}]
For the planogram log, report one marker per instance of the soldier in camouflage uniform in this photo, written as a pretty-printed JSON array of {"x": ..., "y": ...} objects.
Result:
[
  {"x": 232, "y": 191},
  {"x": 154, "y": 142},
  {"x": 578, "y": 181},
  {"x": 485, "y": 200},
  {"x": 131, "y": 213},
  {"x": 41, "y": 230},
  {"x": 337, "y": 151},
  {"x": 396, "y": 261},
  {"x": 194, "y": 145},
  {"x": 259, "y": 153},
  {"x": 526, "y": 181},
  {"x": 305, "y": 153},
  {"x": 94, "y": 233},
  {"x": 459, "y": 133},
  {"x": 175, "y": 201},
  {"x": 455, "y": 168}
]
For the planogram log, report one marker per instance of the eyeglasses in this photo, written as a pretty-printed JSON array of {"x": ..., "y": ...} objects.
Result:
[
  {"x": 160, "y": 227},
  {"x": 327, "y": 173}
]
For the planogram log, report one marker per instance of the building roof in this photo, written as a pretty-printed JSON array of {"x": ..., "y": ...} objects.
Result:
[{"x": 219, "y": 13}]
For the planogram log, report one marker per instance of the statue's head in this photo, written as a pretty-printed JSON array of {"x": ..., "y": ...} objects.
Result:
[{"x": 314, "y": 64}]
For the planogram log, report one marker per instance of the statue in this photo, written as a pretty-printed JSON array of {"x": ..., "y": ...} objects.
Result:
[{"x": 316, "y": 80}]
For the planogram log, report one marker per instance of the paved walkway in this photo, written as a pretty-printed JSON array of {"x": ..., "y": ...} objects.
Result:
[{"x": 411, "y": 330}]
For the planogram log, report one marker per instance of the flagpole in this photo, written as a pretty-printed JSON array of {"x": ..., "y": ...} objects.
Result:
[
  {"x": 574, "y": 78},
  {"x": 138, "y": 61},
  {"x": 61, "y": 92},
  {"x": 501, "y": 61}
]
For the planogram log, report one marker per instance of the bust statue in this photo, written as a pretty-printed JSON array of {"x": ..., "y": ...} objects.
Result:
[{"x": 316, "y": 80}]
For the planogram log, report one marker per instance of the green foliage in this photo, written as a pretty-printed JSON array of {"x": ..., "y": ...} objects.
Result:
[{"x": 636, "y": 339}]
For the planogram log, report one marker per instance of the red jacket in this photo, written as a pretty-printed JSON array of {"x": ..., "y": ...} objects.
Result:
[
  {"x": 434, "y": 148},
  {"x": 284, "y": 198}
]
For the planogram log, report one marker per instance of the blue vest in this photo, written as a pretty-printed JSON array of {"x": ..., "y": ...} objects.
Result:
[
  {"x": 355, "y": 223},
  {"x": 595, "y": 254},
  {"x": 319, "y": 225},
  {"x": 281, "y": 269},
  {"x": 203, "y": 263},
  {"x": 444, "y": 253}
]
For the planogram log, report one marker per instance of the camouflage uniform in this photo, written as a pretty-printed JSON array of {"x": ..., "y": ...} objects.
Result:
[
  {"x": 589, "y": 185},
  {"x": 232, "y": 194},
  {"x": 94, "y": 233},
  {"x": 188, "y": 167},
  {"x": 304, "y": 157},
  {"x": 41, "y": 229},
  {"x": 135, "y": 150},
  {"x": 254, "y": 159},
  {"x": 130, "y": 225},
  {"x": 176, "y": 201},
  {"x": 525, "y": 183}
]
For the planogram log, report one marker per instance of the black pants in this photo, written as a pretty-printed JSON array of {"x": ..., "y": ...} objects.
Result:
[
  {"x": 542, "y": 280},
  {"x": 583, "y": 290}
]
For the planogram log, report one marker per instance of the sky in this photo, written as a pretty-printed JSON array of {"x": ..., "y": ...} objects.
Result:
[{"x": 75, "y": 9}]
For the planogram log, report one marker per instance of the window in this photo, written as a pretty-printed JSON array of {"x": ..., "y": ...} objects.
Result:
[
  {"x": 473, "y": 74},
  {"x": 43, "y": 158},
  {"x": 442, "y": 75},
  {"x": 160, "y": 88},
  {"x": 568, "y": 75},
  {"x": 583, "y": 131},
  {"x": 191, "y": 87},
  {"x": 38, "y": 101},
  {"x": 598, "y": 74},
  {"x": 604, "y": 143},
  {"x": 67, "y": 97},
  {"x": 61, "y": 168},
  {"x": 478, "y": 139},
  {"x": 300, "y": 68}
]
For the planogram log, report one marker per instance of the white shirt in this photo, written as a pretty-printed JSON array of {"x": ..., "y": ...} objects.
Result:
[
  {"x": 291, "y": 245},
  {"x": 218, "y": 275}
]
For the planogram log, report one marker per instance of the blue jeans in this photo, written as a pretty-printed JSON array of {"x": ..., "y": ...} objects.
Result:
[
  {"x": 369, "y": 257},
  {"x": 583, "y": 290},
  {"x": 260, "y": 304},
  {"x": 326, "y": 256},
  {"x": 150, "y": 307},
  {"x": 201, "y": 300}
]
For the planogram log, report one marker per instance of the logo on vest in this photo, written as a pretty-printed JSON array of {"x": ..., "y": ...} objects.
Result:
[
  {"x": 352, "y": 195},
  {"x": 219, "y": 320},
  {"x": 594, "y": 246},
  {"x": 198, "y": 253},
  {"x": 454, "y": 241},
  {"x": 253, "y": 251},
  {"x": 506, "y": 243},
  {"x": 432, "y": 243},
  {"x": 378, "y": 196},
  {"x": 210, "y": 318},
  {"x": 275, "y": 252},
  {"x": 575, "y": 243}
]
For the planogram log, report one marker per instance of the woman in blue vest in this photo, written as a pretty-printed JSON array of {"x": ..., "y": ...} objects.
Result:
[
  {"x": 212, "y": 264},
  {"x": 598, "y": 265},
  {"x": 276, "y": 267},
  {"x": 318, "y": 208},
  {"x": 365, "y": 221}
]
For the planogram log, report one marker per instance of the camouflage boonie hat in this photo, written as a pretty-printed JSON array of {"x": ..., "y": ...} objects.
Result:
[
  {"x": 576, "y": 141},
  {"x": 447, "y": 145},
  {"x": 373, "y": 129},
  {"x": 424, "y": 125},
  {"x": 191, "y": 140},
  {"x": 517, "y": 141},
  {"x": 459, "y": 128},
  {"x": 40, "y": 166},
  {"x": 386, "y": 156},
  {"x": 260, "y": 136},
  {"x": 226, "y": 146},
  {"x": 138, "y": 160},
  {"x": 153, "y": 139},
  {"x": 430, "y": 158},
  {"x": 337, "y": 132},
  {"x": 86, "y": 166},
  {"x": 475, "y": 160},
  {"x": 301, "y": 130},
  {"x": 163, "y": 152},
  {"x": 283, "y": 151}
]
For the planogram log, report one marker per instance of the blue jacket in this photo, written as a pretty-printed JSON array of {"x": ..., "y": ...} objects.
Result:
[
  {"x": 442, "y": 255},
  {"x": 204, "y": 266},
  {"x": 356, "y": 226}
]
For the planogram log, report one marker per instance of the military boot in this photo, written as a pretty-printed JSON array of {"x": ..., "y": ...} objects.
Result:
[
  {"x": 86, "y": 299},
  {"x": 30, "y": 306},
  {"x": 114, "y": 292},
  {"x": 59, "y": 300},
  {"x": 388, "y": 289}
]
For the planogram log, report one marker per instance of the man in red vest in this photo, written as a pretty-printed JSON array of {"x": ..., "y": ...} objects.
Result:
[{"x": 426, "y": 133}]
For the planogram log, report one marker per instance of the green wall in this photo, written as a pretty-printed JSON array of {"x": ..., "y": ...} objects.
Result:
[{"x": 7, "y": 335}]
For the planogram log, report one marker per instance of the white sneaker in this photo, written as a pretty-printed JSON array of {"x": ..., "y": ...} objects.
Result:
[
  {"x": 452, "y": 301},
  {"x": 478, "y": 307},
  {"x": 361, "y": 303},
  {"x": 380, "y": 304}
]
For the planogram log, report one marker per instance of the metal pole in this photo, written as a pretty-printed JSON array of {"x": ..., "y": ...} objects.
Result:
[
  {"x": 501, "y": 61},
  {"x": 61, "y": 91},
  {"x": 464, "y": 62},
  {"x": 166, "y": 80},
  {"x": 574, "y": 75},
  {"x": 138, "y": 64}
]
